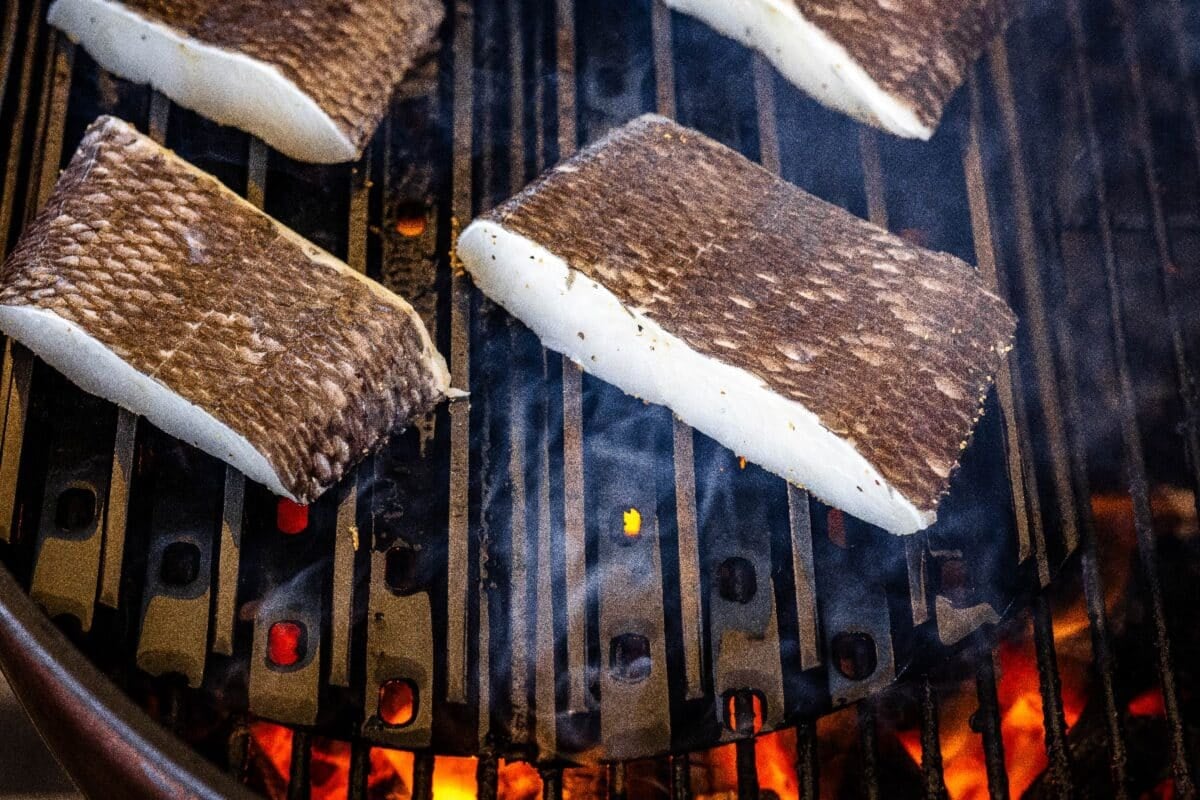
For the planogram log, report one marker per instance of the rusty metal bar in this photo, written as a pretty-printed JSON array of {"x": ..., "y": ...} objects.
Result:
[
  {"x": 346, "y": 539},
  {"x": 228, "y": 558},
  {"x": 1009, "y": 390},
  {"x": 1127, "y": 400},
  {"x": 458, "y": 534},
  {"x": 931, "y": 749},
  {"x": 986, "y": 722},
  {"x": 572, "y": 389},
  {"x": 341, "y": 611},
  {"x": 518, "y": 603},
  {"x": 545, "y": 674},
  {"x": 1036, "y": 313},
  {"x": 117, "y": 508},
  {"x": 1058, "y": 773}
]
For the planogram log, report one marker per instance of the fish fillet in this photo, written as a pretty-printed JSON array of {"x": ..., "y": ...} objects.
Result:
[
  {"x": 801, "y": 337},
  {"x": 311, "y": 78},
  {"x": 890, "y": 63},
  {"x": 147, "y": 282}
]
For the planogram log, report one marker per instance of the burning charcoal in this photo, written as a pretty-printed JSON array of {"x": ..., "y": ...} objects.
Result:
[
  {"x": 892, "y": 65},
  {"x": 819, "y": 346},
  {"x": 311, "y": 78},
  {"x": 146, "y": 281}
]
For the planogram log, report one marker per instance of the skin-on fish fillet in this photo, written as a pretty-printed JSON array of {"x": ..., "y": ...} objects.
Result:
[
  {"x": 311, "y": 78},
  {"x": 801, "y": 337},
  {"x": 890, "y": 63},
  {"x": 147, "y": 282}
]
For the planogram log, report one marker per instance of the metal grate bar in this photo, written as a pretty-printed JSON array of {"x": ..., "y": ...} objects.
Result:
[
  {"x": 872, "y": 166},
  {"x": 806, "y": 761},
  {"x": 1127, "y": 400},
  {"x": 234, "y": 496},
  {"x": 1169, "y": 276},
  {"x": 1037, "y": 314},
  {"x": 422, "y": 780},
  {"x": 1026, "y": 505},
  {"x": 8, "y": 46},
  {"x": 799, "y": 523},
  {"x": 545, "y": 671},
  {"x": 360, "y": 770},
  {"x": 552, "y": 784},
  {"x": 1093, "y": 586},
  {"x": 572, "y": 391},
  {"x": 931, "y": 757},
  {"x": 1008, "y": 386},
  {"x": 487, "y": 778},
  {"x": 931, "y": 750},
  {"x": 986, "y": 721},
  {"x": 868, "y": 737},
  {"x": 747, "y": 770},
  {"x": 458, "y": 533},
  {"x": 683, "y": 439},
  {"x": 117, "y": 508},
  {"x": 1058, "y": 773},
  {"x": 16, "y": 140},
  {"x": 518, "y": 603},
  {"x": 298, "y": 773},
  {"x": 19, "y": 361},
  {"x": 615, "y": 785},
  {"x": 228, "y": 552},
  {"x": 681, "y": 777}
]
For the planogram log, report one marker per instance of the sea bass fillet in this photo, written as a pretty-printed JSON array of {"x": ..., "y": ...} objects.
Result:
[
  {"x": 801, "y": 337},
  {"x": 147, "y": 282},
  {"x": 890, "y": 63},
  {"x": 311, "y": 78}
]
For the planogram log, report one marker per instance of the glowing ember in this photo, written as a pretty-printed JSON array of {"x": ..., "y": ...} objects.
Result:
[
  {"x": 411, "y": 225},
  {"x": 285, "y": 644},
  {"x": 633, "y": 522},
  {"x": 290, "y": 517},
  {"x": 1148, "y": 704},
  {"x": 397, "y": 703}
]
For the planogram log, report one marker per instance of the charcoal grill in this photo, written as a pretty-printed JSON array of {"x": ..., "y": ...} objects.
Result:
[{"x": 474, "y": 574}]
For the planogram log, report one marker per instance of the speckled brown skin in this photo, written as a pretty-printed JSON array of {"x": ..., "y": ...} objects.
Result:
[
  {"x": 890, "y": 345},
  {"x": 191, "y": 285},
  {"x": 916, "y": 50},
  {"x": 348, "y": 55}
]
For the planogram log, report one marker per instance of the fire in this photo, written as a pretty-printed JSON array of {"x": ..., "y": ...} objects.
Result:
[
  {"x": 390, "y": 774},
  {"x": 714, "y": 773}
]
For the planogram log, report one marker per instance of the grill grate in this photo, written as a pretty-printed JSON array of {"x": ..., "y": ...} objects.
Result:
[{"x": 509, "y": 103}]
